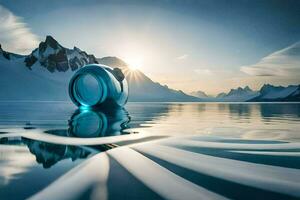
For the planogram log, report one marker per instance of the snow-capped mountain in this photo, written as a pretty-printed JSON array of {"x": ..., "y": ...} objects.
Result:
[
  {"x": 238, "y": 94},
  {"x": 278, "y": 93},
  {"x": 45, "y": 73},
  {"x": 42, "y": 75},
  {"x": 51, "y": 55},
  {"x": 142, "y": 88},
  {"x": 199, "y": 94}
]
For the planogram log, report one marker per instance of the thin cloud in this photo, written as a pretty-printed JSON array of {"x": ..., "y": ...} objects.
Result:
[
  {"x": 183, "y": 57},
  {"x": 214, "y": 72},
  {"x": 204, "y": 71},
  {"x": 15, "y": 36},
  {"x": 285, "y": 62}
]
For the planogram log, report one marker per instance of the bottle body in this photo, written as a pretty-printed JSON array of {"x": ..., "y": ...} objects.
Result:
[{"x": 97, "y": 85}]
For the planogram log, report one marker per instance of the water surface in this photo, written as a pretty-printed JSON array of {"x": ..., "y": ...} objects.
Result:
[{"x": 42, "y": 142}]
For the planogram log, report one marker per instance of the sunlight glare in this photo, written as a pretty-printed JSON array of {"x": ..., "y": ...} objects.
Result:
[{"x": 134, "y": 62}]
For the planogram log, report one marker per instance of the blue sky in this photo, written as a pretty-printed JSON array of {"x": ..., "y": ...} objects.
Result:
[{"x": 190, "y": 45}]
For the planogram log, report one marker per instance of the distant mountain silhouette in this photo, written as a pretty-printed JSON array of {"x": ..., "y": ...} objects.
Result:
[
  {"x": 221, "y": 95},
  {"x": 238, "y": 94},
  {"x": 278, "y": 93},
  {"x": 267, "y": 93},
  {"x": 199, "y": 94}
]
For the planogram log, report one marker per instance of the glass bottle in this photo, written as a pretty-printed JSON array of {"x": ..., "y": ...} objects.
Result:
[{"x": 97, "y": 85}]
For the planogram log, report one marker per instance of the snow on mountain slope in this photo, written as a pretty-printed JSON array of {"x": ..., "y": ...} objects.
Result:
[{"x": 19, "y": 83}]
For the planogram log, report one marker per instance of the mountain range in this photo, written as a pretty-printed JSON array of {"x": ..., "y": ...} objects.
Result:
[
  {"x": 267, "y": 93},
  {"x": 238, "y": 94},
  {"x": 44, "y": 74}
]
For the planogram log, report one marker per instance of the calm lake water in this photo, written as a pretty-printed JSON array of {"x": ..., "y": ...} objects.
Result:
[{"x": 208, "y": 150}]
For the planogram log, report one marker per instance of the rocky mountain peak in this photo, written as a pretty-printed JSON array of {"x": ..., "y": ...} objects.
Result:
[
  {"x": 76, "y": 49},
  {"x": 49, "y": 42},
  {"x": 53, "y": 56}
]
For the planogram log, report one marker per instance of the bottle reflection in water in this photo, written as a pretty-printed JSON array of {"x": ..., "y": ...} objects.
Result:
[
  {"x": 98, "y": 123},
  {"x": 98, "y": 86}
]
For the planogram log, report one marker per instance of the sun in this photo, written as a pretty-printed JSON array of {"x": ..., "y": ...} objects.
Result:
[{"x": 134, "y": 62}]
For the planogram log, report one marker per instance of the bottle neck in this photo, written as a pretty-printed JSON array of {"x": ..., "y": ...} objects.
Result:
[{"x": 88, "y": 89}]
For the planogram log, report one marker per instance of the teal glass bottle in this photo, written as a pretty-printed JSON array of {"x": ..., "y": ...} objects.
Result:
[{"x": 97, "y": 85}]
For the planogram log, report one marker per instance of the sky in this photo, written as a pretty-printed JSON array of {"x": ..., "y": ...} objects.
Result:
[{"x": 208, "y": 45}]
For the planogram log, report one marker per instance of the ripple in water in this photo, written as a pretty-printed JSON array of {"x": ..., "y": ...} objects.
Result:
[{"x": 181, "y": 151}]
